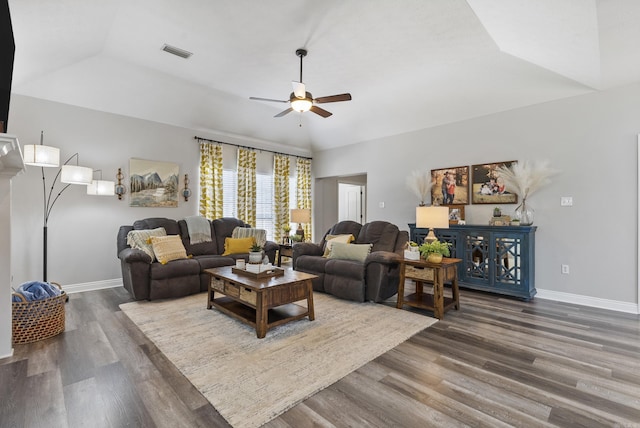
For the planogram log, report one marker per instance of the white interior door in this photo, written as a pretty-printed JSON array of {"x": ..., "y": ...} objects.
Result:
[{"x": 351, "y": 202}]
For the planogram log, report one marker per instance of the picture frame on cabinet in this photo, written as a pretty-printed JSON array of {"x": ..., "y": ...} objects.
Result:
[
  {"x": 456, "y": 214},
  {"x": 450, "y": 186},
  {"x": 487, "y": 187}
]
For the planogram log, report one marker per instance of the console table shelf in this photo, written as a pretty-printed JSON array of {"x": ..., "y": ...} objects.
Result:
[{"x": 497, "y": 259}]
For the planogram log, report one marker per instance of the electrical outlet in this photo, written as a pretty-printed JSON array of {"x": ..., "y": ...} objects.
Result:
[
  {"x": 565, "y": 269},
  {"x": 566, "y": 201}
]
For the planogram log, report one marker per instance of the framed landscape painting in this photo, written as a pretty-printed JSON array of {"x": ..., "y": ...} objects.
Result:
[
  {"x": 450, "y": 186},
  {"x": 487, "y": 187},
  {"x": 153, "y": 183}
]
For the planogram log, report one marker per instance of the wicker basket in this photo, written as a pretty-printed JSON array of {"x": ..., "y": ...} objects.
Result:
[{"x": 38, "y": 319}]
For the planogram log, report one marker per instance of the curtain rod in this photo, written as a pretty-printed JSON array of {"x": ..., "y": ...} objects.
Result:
[{"x": 247, "y": 147}]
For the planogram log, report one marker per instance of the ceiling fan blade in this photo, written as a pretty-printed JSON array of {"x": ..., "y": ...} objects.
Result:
[
  {"x": 268, "y": 99},
  {"x": 320, "y": 111},
  {"x": 333, "y": 98},
  {"x": 299, "y": 89},
  {"x": 282, "y": 113}
]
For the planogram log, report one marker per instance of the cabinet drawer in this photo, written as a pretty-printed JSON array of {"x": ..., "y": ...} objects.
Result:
[
  {"x": 421, "y": 274},
  {"x": 247, "y": 295}
]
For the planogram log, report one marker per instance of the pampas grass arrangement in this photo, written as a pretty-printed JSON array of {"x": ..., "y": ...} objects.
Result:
[
  {"x": 419, "y": 182},
  {"x": 527, "y": 177},
  {"x": 524, "y": 179}
]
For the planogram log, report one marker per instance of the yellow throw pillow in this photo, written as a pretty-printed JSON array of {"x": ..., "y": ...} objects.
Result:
[
  {"x": 167, "y": 248},
  {"x": 238, "y": 245},
  {"x": 330, "y": 239}
]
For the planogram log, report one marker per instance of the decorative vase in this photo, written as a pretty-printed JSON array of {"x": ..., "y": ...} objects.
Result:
[
  {"x": 524, "y": 213},
  {"x": 434, "y": 257},
  {"x": 255, "y": 257}
]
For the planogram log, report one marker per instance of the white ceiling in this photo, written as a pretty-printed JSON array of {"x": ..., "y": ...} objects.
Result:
[{"x": 408, "y": 64}]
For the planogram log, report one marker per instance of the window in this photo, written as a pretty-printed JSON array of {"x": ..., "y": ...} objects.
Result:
[
  {"x": 264, "y": 199},
  {"x": 264, "y": 204}
]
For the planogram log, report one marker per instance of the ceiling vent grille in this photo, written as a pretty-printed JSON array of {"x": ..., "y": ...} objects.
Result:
[{"x": 176, "y": 51}]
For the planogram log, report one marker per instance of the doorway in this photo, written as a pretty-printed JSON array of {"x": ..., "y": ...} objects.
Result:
[{"x": 351, "y": 202}]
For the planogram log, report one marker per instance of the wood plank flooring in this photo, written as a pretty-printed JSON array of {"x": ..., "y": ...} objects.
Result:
[{"x": 497, "y": 362}]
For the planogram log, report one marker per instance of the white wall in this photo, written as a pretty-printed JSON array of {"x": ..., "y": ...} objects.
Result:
[
  {"x": 82, "y": 228},
  {"x": 592, "y": 139}
]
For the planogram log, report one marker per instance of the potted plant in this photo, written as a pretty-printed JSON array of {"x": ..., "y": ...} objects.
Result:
[
  {"x": 255, "y": 254},
  {"x": 285, "y": 237},
  {"x": 434, "y": 251},
  {"x": 296, "y": 238},
  {"x": 497, "y": 212}
]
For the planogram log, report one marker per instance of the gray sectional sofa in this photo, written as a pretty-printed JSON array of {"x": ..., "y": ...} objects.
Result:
[
  {"x": 375, "y": 279},
  {"x": 149, "y": 280}
]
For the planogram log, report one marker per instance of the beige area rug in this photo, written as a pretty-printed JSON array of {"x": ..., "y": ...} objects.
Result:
[{"x": 251, "y": 381}]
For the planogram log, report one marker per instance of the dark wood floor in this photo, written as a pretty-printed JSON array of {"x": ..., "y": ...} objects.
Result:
[{"x": 496, "y": 362}]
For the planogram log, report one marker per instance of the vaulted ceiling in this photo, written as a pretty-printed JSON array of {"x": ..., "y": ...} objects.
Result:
[{"x": 409, "y": 64}]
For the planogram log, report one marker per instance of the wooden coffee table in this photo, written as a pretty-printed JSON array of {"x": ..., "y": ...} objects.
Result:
[{"x": 262, "y": 303}]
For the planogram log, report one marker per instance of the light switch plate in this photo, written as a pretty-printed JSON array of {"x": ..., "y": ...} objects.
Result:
[{"x": 566, "y": 201}]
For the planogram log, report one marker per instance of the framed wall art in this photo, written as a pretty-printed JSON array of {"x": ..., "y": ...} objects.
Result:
[
  {"x": 456, "y": 213},
  {"x": 153, "y": 183},
  {"x": 487, "y": 187},
  {"x": 450, "y": 186}
]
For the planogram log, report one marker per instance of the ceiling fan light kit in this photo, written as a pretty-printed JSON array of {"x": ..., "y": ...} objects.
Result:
[{"x": 301, "y": 101}]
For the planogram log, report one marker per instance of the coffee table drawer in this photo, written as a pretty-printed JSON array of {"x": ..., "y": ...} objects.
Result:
[
  {"x": 217, "y": 285},
  {"x": 247, "y": 295},
  {"x": 231, "y": 289}
]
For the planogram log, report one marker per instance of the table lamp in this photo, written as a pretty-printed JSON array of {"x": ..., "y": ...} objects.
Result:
[
  {"x": 432, "y": 218},
  {"x": 300, "y": 215}
]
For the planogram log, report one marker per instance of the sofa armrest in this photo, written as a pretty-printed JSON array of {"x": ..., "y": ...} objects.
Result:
[
  {"x": 383, "y": 257},
  {"x": 306, "y": 249},
  {"x": 131, "y": 255}
]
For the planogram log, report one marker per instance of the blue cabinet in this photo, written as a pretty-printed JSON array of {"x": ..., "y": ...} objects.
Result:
[{"x": 497, "y": 259}]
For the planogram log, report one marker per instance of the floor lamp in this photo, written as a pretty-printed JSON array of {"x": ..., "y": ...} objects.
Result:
[{"x": 49, "y": 157}]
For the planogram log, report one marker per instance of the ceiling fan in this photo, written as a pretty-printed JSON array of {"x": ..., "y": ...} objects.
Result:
[{"x": 300, "y": 100}]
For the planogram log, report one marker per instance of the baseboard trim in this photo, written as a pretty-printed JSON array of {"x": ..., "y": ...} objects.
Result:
[
  {"x": 92, "y": 286},
  {"x": 596, "y": 302}
]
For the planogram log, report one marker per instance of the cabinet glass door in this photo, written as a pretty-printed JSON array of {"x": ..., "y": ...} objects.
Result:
[{"x": 476, "y": 257}]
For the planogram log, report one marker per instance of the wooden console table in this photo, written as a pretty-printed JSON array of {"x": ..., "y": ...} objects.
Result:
[{"x": 438, "y": 273}]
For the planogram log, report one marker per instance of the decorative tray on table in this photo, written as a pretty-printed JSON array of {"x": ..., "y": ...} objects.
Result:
[{"x": 274, "y": 271}]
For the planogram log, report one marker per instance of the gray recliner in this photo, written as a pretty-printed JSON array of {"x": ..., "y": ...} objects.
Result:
[{"x": 374, "y": 280}]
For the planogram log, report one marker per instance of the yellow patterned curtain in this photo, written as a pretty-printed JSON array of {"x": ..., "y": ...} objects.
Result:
[
  {"x": 303, "y": 189},
  {"x": 281, "y": 171},
  {"x": 247, "y": 186},
  {"x": 210, "y": 180}
]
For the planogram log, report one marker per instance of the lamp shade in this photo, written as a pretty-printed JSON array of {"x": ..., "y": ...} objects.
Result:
[
  {"x": 101, "y": 188},
  {"x": 432, "y": 217},
  {"x": 74, "y": 174},
  {"x": 301, "y": 215},
  {"x": 39, "y": 155}
]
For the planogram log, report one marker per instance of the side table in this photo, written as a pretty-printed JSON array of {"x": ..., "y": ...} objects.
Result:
[
  {"x": 285, "y": 250},
  {"x": 438, "y": 273}
]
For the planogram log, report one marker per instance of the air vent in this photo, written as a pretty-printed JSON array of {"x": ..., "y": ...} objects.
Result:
[{"x": 176, "y": 51}]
